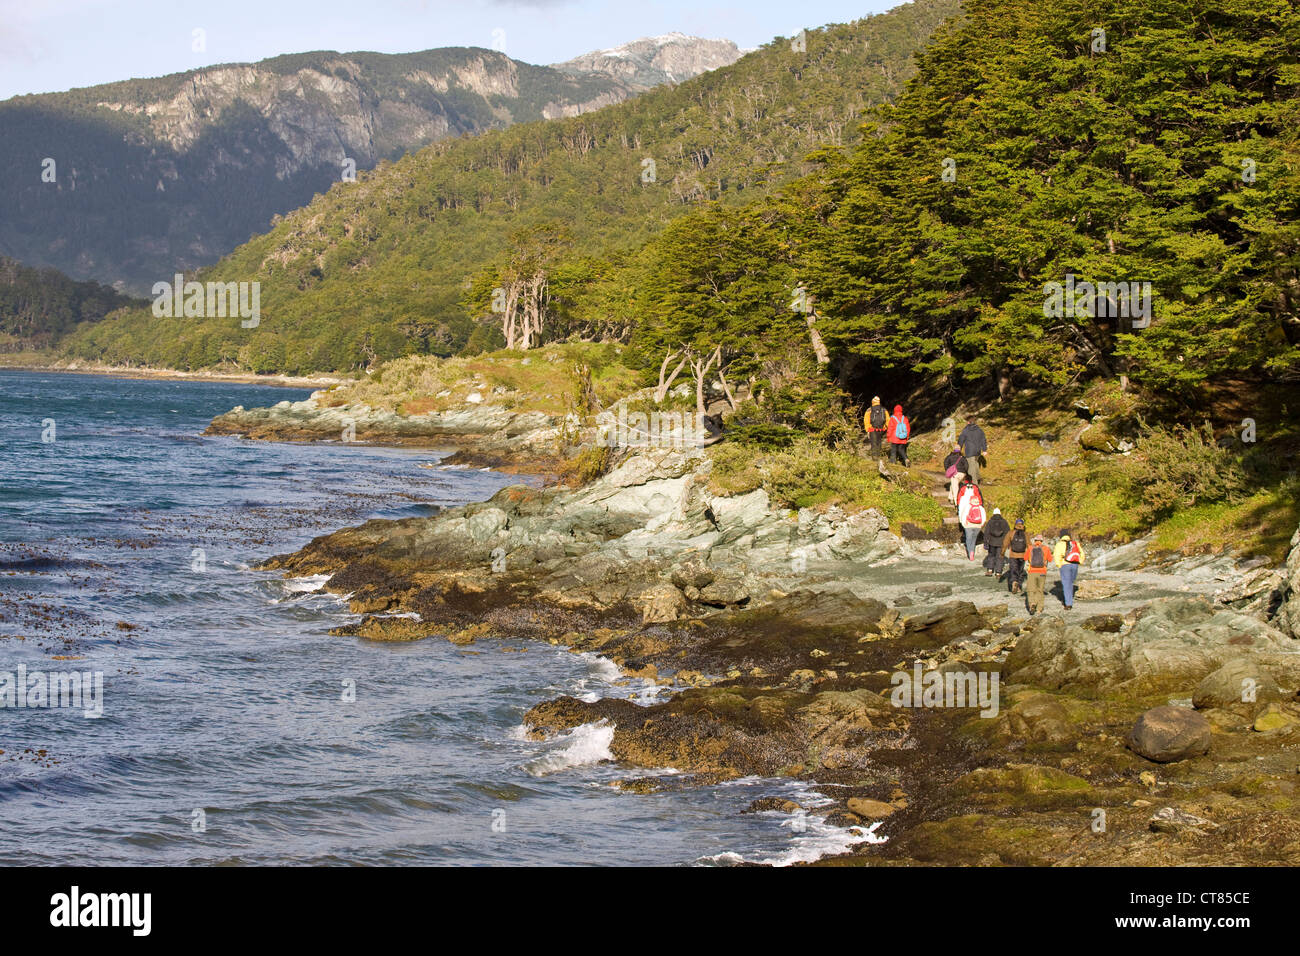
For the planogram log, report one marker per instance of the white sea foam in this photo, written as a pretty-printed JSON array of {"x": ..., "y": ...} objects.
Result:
[
  {"x": 603, "y": 668},
  {"x": 817, "y": 839},
  {"x": 610, "y": 682},
  {"x": 311, "y": 582},
  {"x": 582, "y": 746}
]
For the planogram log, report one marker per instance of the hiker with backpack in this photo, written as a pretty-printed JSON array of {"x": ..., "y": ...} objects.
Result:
[
  {"x": 973, "y": 444},
  {"x": 899, "y": 430},
  {"x": 1017, "y": 553},
  {"x": 970, "y": 515},
  {"x": 875, "y": 421},
  {"x": 954, "y": 470},
  {"x": 995, "y": 533},
  {"x": 1040, "y": 559},
  {"x": 1068, "y": 557}
]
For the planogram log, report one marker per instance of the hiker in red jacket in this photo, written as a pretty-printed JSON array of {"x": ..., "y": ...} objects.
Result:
[{"x": 899, "y": 432}]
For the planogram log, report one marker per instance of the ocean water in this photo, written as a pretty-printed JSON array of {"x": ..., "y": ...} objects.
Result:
[{"x": 233, "y": 728}]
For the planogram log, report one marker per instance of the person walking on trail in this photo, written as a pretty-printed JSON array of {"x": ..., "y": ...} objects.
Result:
[
  {"x": 1016, "y": 550},
  {"x": 899, "y": 431},
  {"x": 970, "y": 514},
  {"x": 995, "y": 534},
  {"x": 1068, "y": 557},
  {"x": 1040, "y": 559},
  {"x": 874, "y": 421},
  {"x": 973, "y": 444},
  {"x": 954, "y": 469}
]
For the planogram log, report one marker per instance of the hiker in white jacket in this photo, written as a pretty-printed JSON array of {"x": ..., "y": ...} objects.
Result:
[{"x": 970, "y": 514}]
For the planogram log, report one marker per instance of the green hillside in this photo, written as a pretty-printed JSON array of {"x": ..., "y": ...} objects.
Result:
[
  {"x": 39, "y": 306},
  {"x": 382, "y": 267}
]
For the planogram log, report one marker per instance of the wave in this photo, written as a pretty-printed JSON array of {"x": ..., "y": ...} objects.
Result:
[
  {"x": 582, "y": 746},
  {"x": 308, "y": 583},
  {"x": 811, "y": 839}
]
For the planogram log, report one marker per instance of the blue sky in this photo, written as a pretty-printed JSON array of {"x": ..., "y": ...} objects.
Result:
[{"x": 58, "y": 44}]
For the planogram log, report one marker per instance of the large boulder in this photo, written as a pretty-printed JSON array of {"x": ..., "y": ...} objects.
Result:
[
  {"x": 660, "y": 604},
  {"x": 1240, "y": 681},
  {"x": 1039, "y": 718},
  {"x": 947, "y": 622},
  {"x": 1167, "y": 734}
]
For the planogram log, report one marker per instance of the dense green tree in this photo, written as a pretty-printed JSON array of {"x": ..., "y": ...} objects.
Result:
[{"x": 1109, "y": 140}]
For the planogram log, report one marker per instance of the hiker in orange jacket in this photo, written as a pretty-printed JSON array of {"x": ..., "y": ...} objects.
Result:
[
  {"x": 899, "y": 432},
  {"x": 1039, "y": 560}
]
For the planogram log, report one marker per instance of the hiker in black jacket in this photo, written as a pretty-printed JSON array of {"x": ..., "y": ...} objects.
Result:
[
  {"x": 995, "y": 535},
  {"x": 1017, "y": 552},
  {"x": 973, "y": 444}
]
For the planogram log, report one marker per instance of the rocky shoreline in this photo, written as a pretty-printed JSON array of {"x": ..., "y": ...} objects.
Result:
[
  {"x": 482, "y": 435},
  {"x": 784, "y": 638},
  {"x": 168, "y": 374}
]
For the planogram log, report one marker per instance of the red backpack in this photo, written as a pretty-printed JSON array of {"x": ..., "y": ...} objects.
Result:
[{"x": 1072, "y": 553}]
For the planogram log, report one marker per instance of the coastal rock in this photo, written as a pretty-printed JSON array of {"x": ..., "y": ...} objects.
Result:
[
  {"x": 1095, "y": 589},
  {"x": 1176, "y": 641},
  {"x": 946, "y": 622},
  {"x": 692, "y": 573},
  {"x": 870, "y": 809},
  {"x": 1168, "y": 734},
  {"x": 1039, "y": 718},
  {"x": 490, "y": 433},
  {"x": 934, "y": 590},
  {"x": 1259, "y": 592},
  {"x": 1239, "y": 681},
  {"x": 1124, "y": 558},
  {"x": 1288, "y": 615},
  {"x": 661, "y": 604},
  {"x": 1174, "y": 820},
  {"x": 1275, "y": 719},
  {"x": 741, "y": 512},
  {"x": 484, "y": 525},
  {"x": 772, "y": 804},
  {"x": 1020, "y": 778}
]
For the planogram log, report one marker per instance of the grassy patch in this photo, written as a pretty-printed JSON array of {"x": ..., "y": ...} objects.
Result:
[
  {"x": 1259, "y": 525},
  {"x": 808, "y": 475},
  {"x": 537, "y": 380}
]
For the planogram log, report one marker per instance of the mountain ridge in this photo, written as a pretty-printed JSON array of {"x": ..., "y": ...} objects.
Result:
[{"x": 152, "y": 175}]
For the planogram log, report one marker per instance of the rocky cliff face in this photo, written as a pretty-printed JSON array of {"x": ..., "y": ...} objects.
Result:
[
  {"x": 151, "y": 177},
  {"x": 650, "y": 61}
]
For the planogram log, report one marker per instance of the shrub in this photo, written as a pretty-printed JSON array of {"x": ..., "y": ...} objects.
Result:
[{"x": 1177, "y": 468}]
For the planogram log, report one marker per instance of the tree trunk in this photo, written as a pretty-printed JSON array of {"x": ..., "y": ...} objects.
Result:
[
  {"x": 726, "y": 389},
  {"x": 1004, "y": 383},
  {"x": 661, "y": 390},
  {"x": 700, "y": 369},
  {"x": 819, "y": 347},
  {"x": 509, "y": 318}
]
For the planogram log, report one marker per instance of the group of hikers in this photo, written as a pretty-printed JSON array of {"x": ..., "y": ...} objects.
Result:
[
  {"x": 896, "y": 428},
  {"x": 1011, "y": 553}
]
